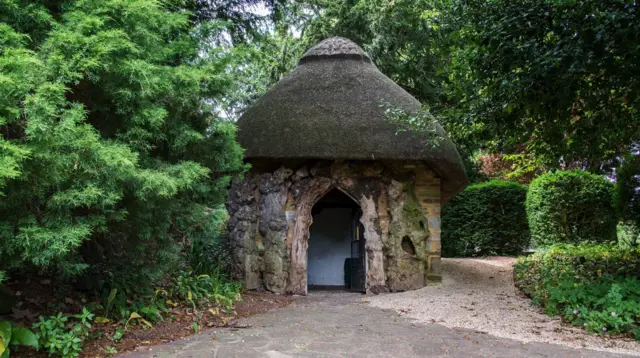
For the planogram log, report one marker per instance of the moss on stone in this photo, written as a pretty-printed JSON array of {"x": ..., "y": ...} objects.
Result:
[{"x": 412, "y": 210}]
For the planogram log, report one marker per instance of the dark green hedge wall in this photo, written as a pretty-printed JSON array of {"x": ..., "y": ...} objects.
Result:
[
  {"x": 486, "y": 219},
  {"x": 571, "y": 206}
]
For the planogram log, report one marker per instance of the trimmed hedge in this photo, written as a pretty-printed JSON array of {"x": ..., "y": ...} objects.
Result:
[
  {"x": 571, "y": 206},
  {"x": 594, "y": 286},
  {"x": 486, "y": 219}
]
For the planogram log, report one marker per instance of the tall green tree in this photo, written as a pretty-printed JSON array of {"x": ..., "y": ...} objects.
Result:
[
  {"x": 549, "y": 83},
  {"x": 111, "y": 158},
  {"x": 248, "y": 20},
  {"x": 405, "y": 38},
  {"x": 553, "y": 80}
]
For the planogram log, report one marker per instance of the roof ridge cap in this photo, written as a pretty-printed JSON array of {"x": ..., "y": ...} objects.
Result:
[{"x": 335, "y": 48}]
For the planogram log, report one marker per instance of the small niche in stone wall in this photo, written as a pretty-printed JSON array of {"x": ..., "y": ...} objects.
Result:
[
  {"x": 422, "y": 224},
  {"x": 407, "y": 246}
]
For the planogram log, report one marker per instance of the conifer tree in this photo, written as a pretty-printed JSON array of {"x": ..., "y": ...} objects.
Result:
[{"x": 111, "y": 157}]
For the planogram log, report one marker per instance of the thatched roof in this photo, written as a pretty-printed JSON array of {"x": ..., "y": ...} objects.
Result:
[{"x": 328, "y": 107}]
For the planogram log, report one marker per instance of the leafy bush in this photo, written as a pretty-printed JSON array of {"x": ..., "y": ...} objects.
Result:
[
  {"x": 594, "y": 286},
  {"x": 486, "y": 219},
  {"x": 207, "y": 255},
  {"x": 571, "y": 206},
  {"x": 112, "y": 156},
  {"x": 628, "y": 235},
  {"x": 15, "y": 336},
  {"x": 111, "y": 351},
  {"x": 63, "y": 337}
]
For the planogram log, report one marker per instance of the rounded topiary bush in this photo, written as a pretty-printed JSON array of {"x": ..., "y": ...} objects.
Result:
[
  {"x": 486, "y": 219},
  {"x": 571, "y": 207}
]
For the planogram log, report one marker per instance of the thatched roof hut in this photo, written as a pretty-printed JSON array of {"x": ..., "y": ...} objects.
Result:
[
  {"x": 324, "y": 153},
  {"x": 329, "y": 107}
]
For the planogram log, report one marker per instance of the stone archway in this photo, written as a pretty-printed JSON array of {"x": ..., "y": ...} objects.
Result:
[
  {"x": 336, "y": 252},
  {"x": 271, "y": 214},
  {"x": 315, "y": 189}
]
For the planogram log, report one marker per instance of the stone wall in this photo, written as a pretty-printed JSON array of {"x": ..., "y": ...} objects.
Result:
[
  {"x": 427, "y": 190},
  {"x": 271, "y": 215}
]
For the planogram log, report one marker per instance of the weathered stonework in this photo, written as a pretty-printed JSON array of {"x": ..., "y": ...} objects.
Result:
[
  {"x": 427, "y": 190},
  {"x": 271, "y": 216}
]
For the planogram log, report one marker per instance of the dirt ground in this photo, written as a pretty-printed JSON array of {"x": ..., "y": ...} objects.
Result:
[
  {"x": 172, "y": 330},
  {"x": 41, "y": 296},
  {"x": 479, "y": 294}
]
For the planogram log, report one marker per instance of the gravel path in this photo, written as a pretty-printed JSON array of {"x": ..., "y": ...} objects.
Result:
[
  {"x": 331, "y": 324},
  {"x": 479, "y": 294}
]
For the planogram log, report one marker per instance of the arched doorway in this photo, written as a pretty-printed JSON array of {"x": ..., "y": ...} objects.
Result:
[{"x": 336, "y": 251}]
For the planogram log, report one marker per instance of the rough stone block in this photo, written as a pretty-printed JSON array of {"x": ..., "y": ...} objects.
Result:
[
  {"x": 273, "y": 262},
  {"x": 435, "y": 265}
]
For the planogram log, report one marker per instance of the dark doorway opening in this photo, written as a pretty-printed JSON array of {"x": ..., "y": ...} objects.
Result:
[{"x": 335, "y": 258}]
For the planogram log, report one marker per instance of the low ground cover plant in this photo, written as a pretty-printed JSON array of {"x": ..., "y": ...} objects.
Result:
[
  {"x": 596, "y": 286},
  {"x": 11, "y": 336},
  {"x": 185, "y": 295},
  {"x": 196, "y": 292},
  {"x": 486, "y": 219},
  {"x": 64, "y": 335}
]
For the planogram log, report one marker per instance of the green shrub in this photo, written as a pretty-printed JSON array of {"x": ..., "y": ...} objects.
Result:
[
  {"x": 486, "y": 219},
  {"x": 111, "y": 155},
  {"x": 628, "y": 235},
  {"x": 594, "y": 286},
  {"x": 63, "y": 335},
  {"x": 207, "y": 255},
  {"x": 571, "y": 206}
]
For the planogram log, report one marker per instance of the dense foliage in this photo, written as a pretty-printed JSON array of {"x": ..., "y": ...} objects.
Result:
[
  {"x": 627, "y": 193},
  {"x": 628, "y": 235},
  {"x": 244, "y": 24},
  {"x": 548, "y": 84},
  {"x": 571, "y": 206},
  {"x": 63, "y": 335},
  {"x": 486, "y": 219},
  {"x": 594, "y": 286},
  {"x": 556, "y": 78},
  {"x": 402, "y": 37},
  {"x": 111, "y": 158},
  {"x": 115, "y": 157}
]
